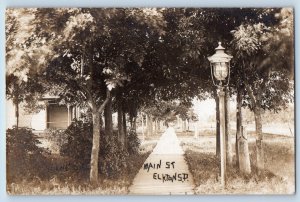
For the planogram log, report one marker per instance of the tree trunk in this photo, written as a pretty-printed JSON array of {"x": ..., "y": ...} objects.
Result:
[
  {"x": 124, "y": 123},
  {"x": 17, "y": 114},
  {"x": 154, "y": 126},
  {"x": 124, "y": 129},
  {"x": 149, "y": 125},
  {"x": 158, "y": 125},
  {"x": 143, "y": 129},
  {"x": 180, "y": 124},
  {"x": 133, "y": 127},
  {"x": 239, "y": 124},
  {"x": 184, "y": 125},
  {"x": 108, "y": 118},
  {"x": 95, "y": 147},
  {"x": 96, "y": 114},
  {"x": 244, "y": 157},
  {"x": 146, "y": 124},
  {"x": 217, "y": 125},
  {"x": 255, "y": 99},
  {"x": 227, "y": 130},
  {"x": 259, "y": 141},
  {"x": 121, "y": 135},
  {"x": 131, "y": 121}
]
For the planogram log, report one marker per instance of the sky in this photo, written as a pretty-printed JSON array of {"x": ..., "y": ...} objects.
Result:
[{"x": 206, "y": 108}]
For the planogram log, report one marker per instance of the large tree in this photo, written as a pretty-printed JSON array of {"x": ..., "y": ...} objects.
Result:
[
  {"x": 87, "y": 53},
  {"x": 264, "y": 62},
  {"x": 22, "y": 84}
]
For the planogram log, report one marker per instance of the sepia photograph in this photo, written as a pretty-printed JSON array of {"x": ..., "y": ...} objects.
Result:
[{"x": 150, "y": 101}]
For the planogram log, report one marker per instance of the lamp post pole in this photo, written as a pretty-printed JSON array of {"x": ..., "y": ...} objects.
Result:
[
  {"x": 221, "y": 95},
  {"x": 220, "y": 71}
]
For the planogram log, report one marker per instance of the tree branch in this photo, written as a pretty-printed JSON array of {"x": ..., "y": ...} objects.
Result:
[
  {"x": 101, "y": 108},
  {"x": 248, "y": 88},
  {"x": 251, "y": 94}
]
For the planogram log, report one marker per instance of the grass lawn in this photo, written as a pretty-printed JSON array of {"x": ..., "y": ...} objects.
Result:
[{"x": 277, "y": 179}]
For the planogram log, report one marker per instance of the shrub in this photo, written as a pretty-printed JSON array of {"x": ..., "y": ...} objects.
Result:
[
  {"x": 78, "y": 146},
  {"x": 56, "y": 138},
  {"x": 133, "y": 142},
  {"x": 24, "y": 158},
  {"x": 112, "y": 157}
]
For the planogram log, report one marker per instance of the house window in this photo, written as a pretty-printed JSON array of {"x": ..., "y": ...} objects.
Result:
[{"x": 57, "y": 116}]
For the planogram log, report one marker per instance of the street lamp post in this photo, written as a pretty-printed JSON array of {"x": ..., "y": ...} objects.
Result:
[{"x": 220, "y": 73}]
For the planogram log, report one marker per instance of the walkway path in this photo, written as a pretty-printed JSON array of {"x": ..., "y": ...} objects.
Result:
[{"x": 165, "y": 172}]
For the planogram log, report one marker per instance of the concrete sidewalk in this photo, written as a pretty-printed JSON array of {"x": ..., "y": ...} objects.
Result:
[{"x": 165, "y": 171}]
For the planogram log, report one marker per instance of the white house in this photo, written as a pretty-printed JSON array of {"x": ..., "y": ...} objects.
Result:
[{"x": 52, "y": 116}]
